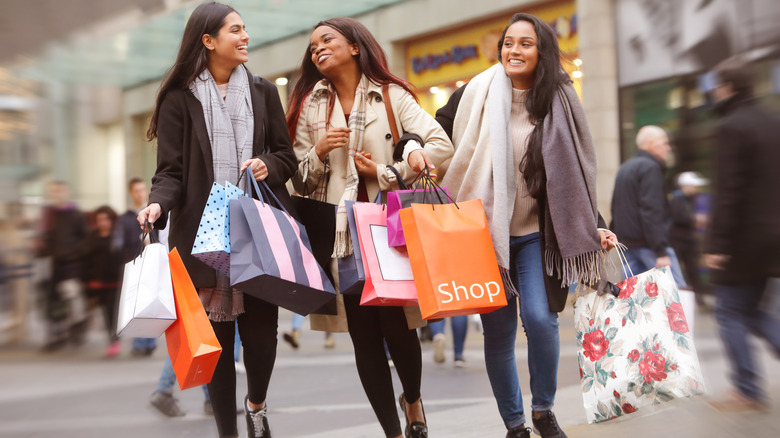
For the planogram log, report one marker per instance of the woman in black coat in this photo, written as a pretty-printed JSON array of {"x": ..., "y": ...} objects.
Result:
[{"x": 213, "y": 119}]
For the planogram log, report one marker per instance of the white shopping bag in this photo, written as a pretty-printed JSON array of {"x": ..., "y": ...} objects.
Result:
[{"x": 146, "y": 304}]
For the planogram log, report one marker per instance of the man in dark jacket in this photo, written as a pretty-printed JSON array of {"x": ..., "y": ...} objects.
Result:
[
  {"x": 743, "y": 247},
  {"x": 639, "y": 205}
]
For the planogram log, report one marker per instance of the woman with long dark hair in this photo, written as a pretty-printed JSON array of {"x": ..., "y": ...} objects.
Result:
[
  {"x": 212, "y": 120},
  {"x": 521, "y": 136},
  {"x": 101, "y": 273},
  {"x": 343, "y": 142}
]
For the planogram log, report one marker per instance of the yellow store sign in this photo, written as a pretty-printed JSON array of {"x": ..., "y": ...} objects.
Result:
[{"x": 461, "y": 54}]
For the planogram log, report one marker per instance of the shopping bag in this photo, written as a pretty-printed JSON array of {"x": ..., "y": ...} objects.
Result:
[
  {"x": 212, "y": 241},
  {"x": 319, "y": 220},
  {"x": 635, "y": 349},
  {"x": 389, "y": 280},
  {"x": 453, "y": 260},
  {"x": 426, "y": 193},
  {"x": 271, "y": 256},
  {"x": 146, "y": 305},
  {"x": 352, "y": 278},
  {"x": 192, "y": 344}
]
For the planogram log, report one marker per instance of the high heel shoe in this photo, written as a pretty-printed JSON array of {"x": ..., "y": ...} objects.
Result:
[{"x": 416, "y": 429}]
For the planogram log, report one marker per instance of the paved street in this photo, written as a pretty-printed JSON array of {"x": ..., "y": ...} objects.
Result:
[{"x": 316, "y": 393}]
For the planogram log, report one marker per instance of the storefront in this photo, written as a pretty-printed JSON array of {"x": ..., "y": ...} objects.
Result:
[{"x": 438, "y": 64}]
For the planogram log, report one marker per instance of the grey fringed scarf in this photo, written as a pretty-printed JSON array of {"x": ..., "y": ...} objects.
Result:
[
  {"x": 230, "y": 123},
  {"x": 483, "y": 165}
]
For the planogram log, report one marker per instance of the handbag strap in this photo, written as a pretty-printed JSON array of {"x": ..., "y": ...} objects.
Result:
[{"x": 390, "y": 115}]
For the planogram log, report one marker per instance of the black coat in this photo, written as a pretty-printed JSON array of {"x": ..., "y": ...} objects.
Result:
[
  {"x": 745, "y": 212},
  {"x": 556, "y": 295},
  {"x": 185, "y": 171},
  {"x": 639, "y": 204}
]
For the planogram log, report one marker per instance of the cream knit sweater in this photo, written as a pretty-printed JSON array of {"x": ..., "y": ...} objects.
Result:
[{"x": 525, "y": 217}]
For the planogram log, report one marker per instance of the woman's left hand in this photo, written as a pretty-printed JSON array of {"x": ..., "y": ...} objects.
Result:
[
  {"x": 608, "y": 238},
  {"x": 258, "y": 167},
  {"x": 366, "y": 167}
]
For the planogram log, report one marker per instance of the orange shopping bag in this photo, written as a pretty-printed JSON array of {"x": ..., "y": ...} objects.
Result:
[
  {"x": 452, "y": 258},
  {"x": 192, "y": 344}
]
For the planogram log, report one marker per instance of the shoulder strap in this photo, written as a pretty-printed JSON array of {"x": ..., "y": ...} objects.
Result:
[{"x": 390, "y": 115}]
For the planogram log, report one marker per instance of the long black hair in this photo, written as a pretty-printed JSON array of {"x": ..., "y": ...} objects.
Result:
[
  {"x": 371, "y": 59},
  {"x": 548, "y": 76},
  {"x": 193, "y": 56}
]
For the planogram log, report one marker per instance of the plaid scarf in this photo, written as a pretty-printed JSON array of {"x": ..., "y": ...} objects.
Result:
[
  {"x": 319, "y": 106},
  {"x": 230, "y": 123}
]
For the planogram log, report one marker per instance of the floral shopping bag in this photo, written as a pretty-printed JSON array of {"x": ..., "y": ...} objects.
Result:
[{"x": 635, "y": 349}]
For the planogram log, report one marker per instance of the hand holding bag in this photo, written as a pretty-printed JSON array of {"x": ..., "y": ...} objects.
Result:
[
  {"x": 146, "y": 304},
  {"x": 192, "y": 344},
  {"x": 424, "y": 191},
  {"x": 212, "y": 241}
]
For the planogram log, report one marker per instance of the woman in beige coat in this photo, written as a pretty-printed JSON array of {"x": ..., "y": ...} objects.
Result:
[{"x": 343, "y": 142}]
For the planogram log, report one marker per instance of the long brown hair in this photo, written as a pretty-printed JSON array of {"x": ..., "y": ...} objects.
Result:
[
  {"x": 371, "y": 60},
  {"x": 548, "y": 76},
  {"x": 193, "y": 56}
]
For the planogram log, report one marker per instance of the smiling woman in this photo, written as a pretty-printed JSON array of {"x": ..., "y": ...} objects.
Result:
[{"x": 213, "y": 119}]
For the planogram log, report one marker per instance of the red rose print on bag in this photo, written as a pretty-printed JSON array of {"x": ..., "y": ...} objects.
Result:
[
  {"x": 634, "y": 355},
  {"x": 651, "y": 289},
  {"x": 677, "y": 320},
  {"x": 627, "y": 408},
  {"x": 652, "y": 367},
  {"x": 627, "y": 287},
  {"x": 595, "y": 345}
]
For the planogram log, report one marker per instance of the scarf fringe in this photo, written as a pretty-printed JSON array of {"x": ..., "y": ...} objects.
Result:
[
  {"x": 342, "y": 247},
  {"x": 587, "y": 268},
  {"x": 509, "y": 286}
]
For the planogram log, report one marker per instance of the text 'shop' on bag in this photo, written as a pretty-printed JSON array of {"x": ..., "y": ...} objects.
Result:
[
  {"x": 271, "y": 256},
  {"x": 212, "y": 241},
  {"x": 146, "y": 305},
  {"x": 389, "y": 280},
  {"x": 453, "y": 259},
  {"x": 352, "y": 277},
  {"x": 192, "y": 345},
  {"x": 635, "y": 349},
  {"x": 425, "y": 192}
]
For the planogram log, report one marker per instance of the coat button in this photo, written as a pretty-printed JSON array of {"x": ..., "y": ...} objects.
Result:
[
  {"x": 378, "y": 99},
  {"x": 389, "y": 136}
]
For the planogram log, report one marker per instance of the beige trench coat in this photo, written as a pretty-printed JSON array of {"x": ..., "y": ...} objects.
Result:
[{"x": 378, "y": 141}]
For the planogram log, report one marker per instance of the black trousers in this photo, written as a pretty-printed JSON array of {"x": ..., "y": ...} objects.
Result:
[
  {"x": 257, "y": 328},
  {"x": 370, "y": 327}
]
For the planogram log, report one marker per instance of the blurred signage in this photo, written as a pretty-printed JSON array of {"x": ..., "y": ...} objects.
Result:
[
  {"x": 658, "y": 39},
  {"x": 462, "y": 53}
]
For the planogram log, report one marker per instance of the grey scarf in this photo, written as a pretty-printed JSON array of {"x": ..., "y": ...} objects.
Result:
[{"x": 230, "y": 124}]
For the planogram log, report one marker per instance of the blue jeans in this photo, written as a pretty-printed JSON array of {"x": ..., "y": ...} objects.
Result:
[
  {"x": 144, "y": 343},
  {"x": 643, "y": 259},
  {"x": 168, "y": 379},
  {"x": 297, "y": 321},
  {"x": 460, "y": 325},
  {"x": 541, "y": 330},
  {"x": 738, "y": 313}
]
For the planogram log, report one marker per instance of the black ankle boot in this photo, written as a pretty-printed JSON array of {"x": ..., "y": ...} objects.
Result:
[{"x": 416, "y": 429}]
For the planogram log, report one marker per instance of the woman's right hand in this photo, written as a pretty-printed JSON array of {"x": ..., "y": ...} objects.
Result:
[
  {"x": 333, "y": 139},
  {"x": 149, "y": 213}
]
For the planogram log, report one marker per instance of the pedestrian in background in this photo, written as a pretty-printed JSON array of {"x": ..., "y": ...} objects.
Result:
[
  {"x": 128, "y": 238},
  {"x": 683, "y": 229},
  {"x": 512, "y": 126},
  {"x": 342, "y": 140},
  {"x": 743, "y": 245},
  {"x": 62, "y": 236},
  {"x": 460, "y": 327},
  {"x": 102, "y": 270},
  {"x": 212, "y": 120},
  {"x": 639, "y": 207}
]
